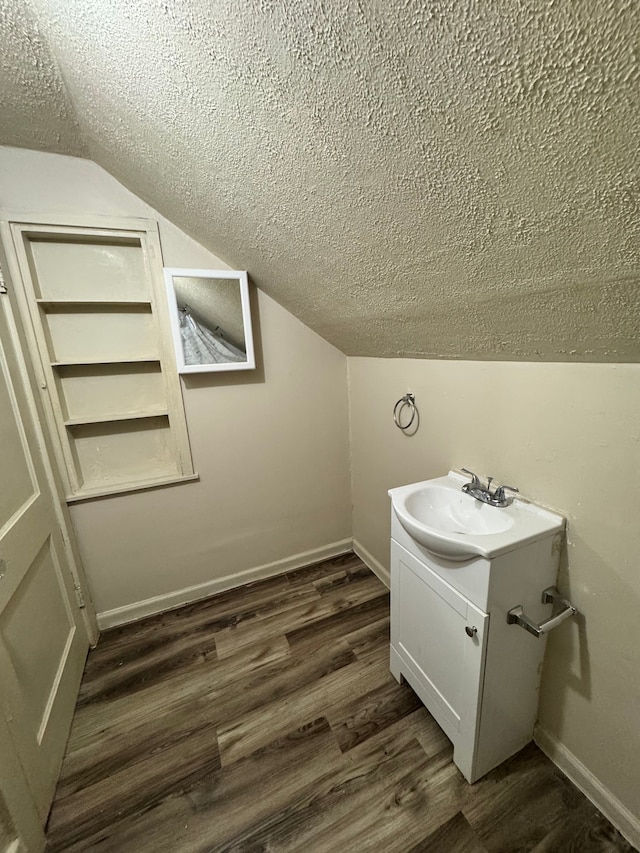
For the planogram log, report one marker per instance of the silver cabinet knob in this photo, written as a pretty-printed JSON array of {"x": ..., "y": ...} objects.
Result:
[{"x": 471, "y": 632}]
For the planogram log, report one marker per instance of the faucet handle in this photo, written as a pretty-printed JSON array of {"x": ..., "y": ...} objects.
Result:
[
  {"x": 475, "y": 480},
  {"x": 498, "y": 495}
]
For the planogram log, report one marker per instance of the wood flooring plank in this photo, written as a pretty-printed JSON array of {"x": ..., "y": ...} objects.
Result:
[
  {"x": 368, "y": 639},
  {"x": 148, "y": 667},
  {"x": 520, "y": 802},
  {"x": 146, "y": 831},
  {"x": 279, "y": 770},
  {"x": 234, "y": 638},
  {"x": 222, "y": 805},
  {"x": 328, "y": 583},
  {"x": 325, "y": 568},
  {"x": 236, "y": 694},
  {"x": 362, "y": 717},
  {"x": 431, "y": 737},
  {"x": 214, "y": 607},
  {"x": 144, "y": 663},
  {"x": 426, "y": 793},
  {"x": 129, "y": 790},
  {"x": 176, "y": 692},
  {"x": 358, "y": 806},
  {"x": 127, "y": 746},
  {"x": 240, "y": 737},
  {"x": 584, "y": 831},
  {"x": 419, "y": 726},
  {"x": 454, "y": 835},
  {"x": 337, "y": 625},
  {"x": 282, "y": 683},
  {"x": 214, "y": 614}
]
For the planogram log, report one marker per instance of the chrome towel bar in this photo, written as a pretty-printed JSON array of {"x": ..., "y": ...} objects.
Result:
[{"x": 517, "y": 616}]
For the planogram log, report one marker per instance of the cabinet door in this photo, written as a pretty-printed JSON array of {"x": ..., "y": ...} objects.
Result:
[{"x": 430, "y": 627}]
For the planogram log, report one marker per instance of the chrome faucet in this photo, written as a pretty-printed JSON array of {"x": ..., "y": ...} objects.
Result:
[{"x": 484, "y": 493}]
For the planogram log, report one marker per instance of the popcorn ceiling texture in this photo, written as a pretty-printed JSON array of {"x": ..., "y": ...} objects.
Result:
[
  {"x": 440, "y": 180},
  {"x": 35, "y": 111}
]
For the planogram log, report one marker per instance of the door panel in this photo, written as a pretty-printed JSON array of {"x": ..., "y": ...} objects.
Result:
[
  {"x": 37, "y": 657},
  {"x": 43, "y": 643},
  {"x": 21, "y": 825},
  {"x": 16, "y": 471}
]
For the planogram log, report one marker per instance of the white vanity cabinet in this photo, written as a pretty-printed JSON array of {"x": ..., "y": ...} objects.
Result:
[{"x": 476, "y": 674}]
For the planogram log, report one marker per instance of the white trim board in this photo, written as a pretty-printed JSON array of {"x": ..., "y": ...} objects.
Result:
[
  {"x": 601, "y": 797},
  {"x": 160, "y": 603},
  {"x": 376, "y": 567}
]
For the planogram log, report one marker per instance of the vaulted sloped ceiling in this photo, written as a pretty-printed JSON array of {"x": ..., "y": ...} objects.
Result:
[
  {"x": 35, "y": 110},
  {"x": 435, "y": 179}
]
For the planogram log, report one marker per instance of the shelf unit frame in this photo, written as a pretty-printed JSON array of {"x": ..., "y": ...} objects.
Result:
[{"x": 16, "y": 232}]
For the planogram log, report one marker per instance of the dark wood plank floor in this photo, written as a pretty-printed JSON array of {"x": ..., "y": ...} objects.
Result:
[{"x": 266, "y": 719}]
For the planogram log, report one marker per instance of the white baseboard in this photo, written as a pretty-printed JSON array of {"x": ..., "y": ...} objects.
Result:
[
  {"x": 376, "y": 567},
  {"x": 159, "y": 603},
  {"x": 591, "y": 787}
]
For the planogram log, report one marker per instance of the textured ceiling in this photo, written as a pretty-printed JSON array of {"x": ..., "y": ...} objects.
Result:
[
  {"x": 444, "y": 179},
  {"x": 35, "y": 111}
]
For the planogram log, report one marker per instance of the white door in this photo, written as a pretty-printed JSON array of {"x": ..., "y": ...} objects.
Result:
[{"x": 43, "y": 642}]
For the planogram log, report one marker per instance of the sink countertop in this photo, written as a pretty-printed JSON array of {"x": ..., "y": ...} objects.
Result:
[{"x": 454, "y": 525}]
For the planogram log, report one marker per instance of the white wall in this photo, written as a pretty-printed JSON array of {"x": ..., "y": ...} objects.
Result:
[
  {"x": 569, "y": 437},
  {"x": 270, "y": 446}
]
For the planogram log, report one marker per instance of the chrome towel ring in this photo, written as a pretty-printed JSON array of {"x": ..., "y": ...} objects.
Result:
[{"x": 409, "y": 401}]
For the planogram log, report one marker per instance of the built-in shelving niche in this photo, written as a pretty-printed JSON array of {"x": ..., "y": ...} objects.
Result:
[
  {"x": 112, "y": 451},
  {"x": 110, "y": 391},
  {"x": 96, "y": 306},
  {"x": 77, "y": 334}
]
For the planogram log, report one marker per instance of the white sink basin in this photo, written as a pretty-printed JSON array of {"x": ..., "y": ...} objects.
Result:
[{"x": 451, "y": 524}]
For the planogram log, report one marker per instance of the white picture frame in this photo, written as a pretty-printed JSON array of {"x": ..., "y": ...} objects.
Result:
[{"x": 210, "y": 319}]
